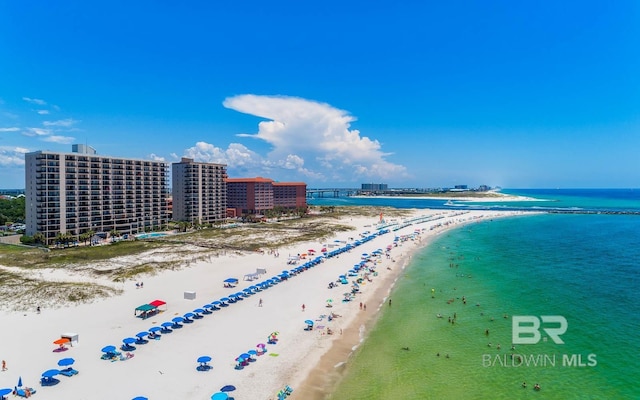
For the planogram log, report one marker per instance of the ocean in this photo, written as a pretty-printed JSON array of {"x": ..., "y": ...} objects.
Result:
[{"x": 547, "y": 298}]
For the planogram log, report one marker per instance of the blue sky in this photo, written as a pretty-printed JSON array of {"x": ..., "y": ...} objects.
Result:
[{"x": 333, "y": 93}]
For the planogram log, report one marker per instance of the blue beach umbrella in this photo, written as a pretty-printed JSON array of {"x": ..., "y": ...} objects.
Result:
[
  {"x": 129, "y": 340},
  {"x": 109, "y": 349},
  {"x": 308, "y": 322},
  {"x": 142, "y": 334},
  {"x": 167, "y": 324},
  {"x": 219, "y": 396},
  {"x": 224, "y": 299},
  {"x": 177, "y": 320},
  {"x": 155, "y": 329},
  {"x": 140, "y": 398},
  {"x": 6, "y": 391},
  {"x": 228, "y": 388},
  {"x": 19, "y": 381},
  {"x": 50, "y": 373},
  {"x": 216, "y": 303},
  {"x": 198, "y": 310},
  {"x": 65, "y": 362},
  {"x": 209, "y": 306},
  {"x": 204, "y": 359}
]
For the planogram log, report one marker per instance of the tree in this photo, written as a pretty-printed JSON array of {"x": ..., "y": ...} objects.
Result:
[
  {"x": 84, "y": 237},
  {"x": 39, "y": 238}
]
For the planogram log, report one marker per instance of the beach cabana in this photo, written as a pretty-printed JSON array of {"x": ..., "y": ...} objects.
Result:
[
  {"x": 161, "y": 305},
  {"x": 144, "y": 311}
]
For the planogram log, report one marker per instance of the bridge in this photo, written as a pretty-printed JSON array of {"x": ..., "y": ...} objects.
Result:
[{"x": 338, "y": 192}]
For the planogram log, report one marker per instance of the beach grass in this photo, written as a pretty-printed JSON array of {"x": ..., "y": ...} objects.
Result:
[{"x": 129, "y": 260}]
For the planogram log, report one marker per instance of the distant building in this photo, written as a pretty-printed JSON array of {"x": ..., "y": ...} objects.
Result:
[
  {"x": 199, "y": 191},
  {"x": 257, "y": 195},
  {"x": 461, "y": 187},
  {"x": 78, "y": 192},
  {"x": 375, "y": 187}
]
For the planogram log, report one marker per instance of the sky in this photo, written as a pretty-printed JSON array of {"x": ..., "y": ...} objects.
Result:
[{"x": 414, "y": 94}]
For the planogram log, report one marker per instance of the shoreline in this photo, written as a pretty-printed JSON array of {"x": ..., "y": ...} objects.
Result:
[
  {"x": 334, "y": 363},
  {"x": 166, "y": 368}
]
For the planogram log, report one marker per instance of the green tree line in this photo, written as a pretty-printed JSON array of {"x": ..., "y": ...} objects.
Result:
[{"x": 12, "y": 210}]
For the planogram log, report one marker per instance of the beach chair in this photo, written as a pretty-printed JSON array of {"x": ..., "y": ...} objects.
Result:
[
  {"x": 25, "y": 392},
  {"x": 69, "y": 372},
  {"x": 288, "y": 390}
]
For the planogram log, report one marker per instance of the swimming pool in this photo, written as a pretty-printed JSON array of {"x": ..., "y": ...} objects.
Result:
[{"x": 150, "y": 235}]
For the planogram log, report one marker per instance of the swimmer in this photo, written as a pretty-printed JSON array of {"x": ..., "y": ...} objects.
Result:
[
  {"x": 536, "y": 387},
  {"x": 524, "y": 385},
  {"x": 405, "y": 348}
]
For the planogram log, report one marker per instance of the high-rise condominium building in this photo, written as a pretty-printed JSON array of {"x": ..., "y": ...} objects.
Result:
[
  {"x": 81, "y": 191},
  {"x": 199, "y": 191},
  {"x": 257, "y": 195}
]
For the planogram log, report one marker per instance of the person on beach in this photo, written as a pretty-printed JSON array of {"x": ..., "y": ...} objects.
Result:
[
  {"x": 303, "y": 307},
  {"x": 4, "y": 365},
  {"x": 524, "y": 385},
  {"x": 361, "y": 305},
  {"x": 260, "y": 303},
  {"x": 389, "y": 302},
  {"x": 38, "y": 309},
  {"x": 364, "y": 307}
]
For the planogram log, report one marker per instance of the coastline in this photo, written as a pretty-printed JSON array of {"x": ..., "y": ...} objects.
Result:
[
  {"x": 167, "y": 368},
  {"x": 334, "y": 363},
  {"x": 498, "y": 198}
]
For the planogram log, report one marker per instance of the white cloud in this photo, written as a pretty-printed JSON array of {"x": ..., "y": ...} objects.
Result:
[
  {"x": 65, "y": 123},
  {"x": 36, "y": 132},
  {"x": 174, "y": 156},
  {"x": 318, "y": 133},
  {"x": 155, "y": 157},
  {"x": 43, "y": 112},
  {"x": 59, "y": 139},
  {"x": 12, "y": 129},
  {"x": 11, "y": 156},
  {"x": 39, "y": 102},
  {"x": 235, "y": 156}
]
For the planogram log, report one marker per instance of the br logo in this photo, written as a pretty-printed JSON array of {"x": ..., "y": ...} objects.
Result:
[{"x": 526, "y": 328}]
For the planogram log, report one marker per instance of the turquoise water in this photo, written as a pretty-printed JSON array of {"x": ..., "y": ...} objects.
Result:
[{"x": 584, "y": 268}]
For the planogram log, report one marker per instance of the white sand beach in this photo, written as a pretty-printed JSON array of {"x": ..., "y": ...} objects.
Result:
[{"x": 166, "y": 368}]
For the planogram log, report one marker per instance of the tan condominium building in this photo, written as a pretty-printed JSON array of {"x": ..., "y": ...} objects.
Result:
[
  {"x": 199, "y": 191},
  {"x": 81, "y": 191},
  {"x": 257, "y": 195}
]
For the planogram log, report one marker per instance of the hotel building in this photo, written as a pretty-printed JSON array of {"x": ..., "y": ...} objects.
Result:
[
  {"x": 199, "y": 191},
  {"x": 257, "y": 195},
  {"x": 82, "y": 191}
]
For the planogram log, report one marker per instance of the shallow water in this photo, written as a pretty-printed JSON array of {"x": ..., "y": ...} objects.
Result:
[{"x": 584, "y": 268}]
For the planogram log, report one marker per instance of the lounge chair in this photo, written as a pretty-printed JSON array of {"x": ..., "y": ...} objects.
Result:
[
  {"x": 68, "y": 372},
  {"x": 25, "y": 391}
]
